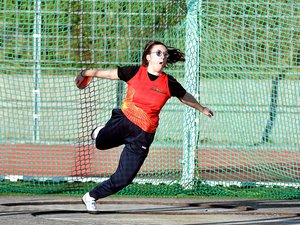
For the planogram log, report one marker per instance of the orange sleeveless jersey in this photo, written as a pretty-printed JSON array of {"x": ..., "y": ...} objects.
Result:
[{"x": 145, "y": 99}]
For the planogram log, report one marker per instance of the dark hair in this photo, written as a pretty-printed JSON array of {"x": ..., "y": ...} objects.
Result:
[{"x": 175, "y": 54}]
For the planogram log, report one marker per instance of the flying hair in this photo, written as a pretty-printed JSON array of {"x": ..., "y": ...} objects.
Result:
[{"x": 175, "y": 54}]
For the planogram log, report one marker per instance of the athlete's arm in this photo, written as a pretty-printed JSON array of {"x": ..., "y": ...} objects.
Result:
[
  {"x": 190, "y": 100},
  {"x": 111, "y": 74}
]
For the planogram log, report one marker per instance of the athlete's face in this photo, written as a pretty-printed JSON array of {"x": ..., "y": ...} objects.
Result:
[{"x": 157, "y": 58}]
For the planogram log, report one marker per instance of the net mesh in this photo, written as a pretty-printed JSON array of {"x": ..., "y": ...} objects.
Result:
[{"x": 242, "y": 62}]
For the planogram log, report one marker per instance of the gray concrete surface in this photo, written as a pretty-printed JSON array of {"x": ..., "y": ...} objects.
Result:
[{"x": 48, "y": 210}]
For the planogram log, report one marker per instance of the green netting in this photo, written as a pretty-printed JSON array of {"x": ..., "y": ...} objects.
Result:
[{"x": 243, "y": 61}]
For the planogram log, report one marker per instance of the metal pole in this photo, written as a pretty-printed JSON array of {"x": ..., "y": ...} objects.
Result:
[
  {"x": 191, "y": 116},
  {"x": 273, "y": 108},
  {"x": 36, "y": 102}
]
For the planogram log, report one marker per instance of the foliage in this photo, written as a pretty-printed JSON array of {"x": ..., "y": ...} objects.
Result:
[{"x": 238, "y": 39}]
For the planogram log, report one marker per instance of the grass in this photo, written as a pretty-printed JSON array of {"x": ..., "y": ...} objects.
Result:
[{"x": 199, "y": 190}]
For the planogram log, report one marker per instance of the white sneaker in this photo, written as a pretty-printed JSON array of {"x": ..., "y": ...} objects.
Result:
[
  {"x": 95, "y": 133},
  {"x": 89, "y": 202}
]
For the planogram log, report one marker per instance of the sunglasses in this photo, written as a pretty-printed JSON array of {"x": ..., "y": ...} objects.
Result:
[{"x": 159, "y": 53}]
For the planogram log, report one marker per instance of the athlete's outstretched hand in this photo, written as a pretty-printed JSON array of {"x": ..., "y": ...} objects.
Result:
[{"x": 208, "y": 112}]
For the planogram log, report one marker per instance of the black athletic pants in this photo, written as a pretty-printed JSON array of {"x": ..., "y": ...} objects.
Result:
[{"x": 118, "y": 131}]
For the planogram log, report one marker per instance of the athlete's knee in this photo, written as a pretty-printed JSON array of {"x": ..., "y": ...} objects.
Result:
[
  {"x": 121, "y": 180},
  {"x": 101, "y": 145},
  {"x": 122, "y": 183}
]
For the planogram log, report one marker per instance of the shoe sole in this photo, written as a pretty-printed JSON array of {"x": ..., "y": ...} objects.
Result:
[{"x": 93, "y": 133}]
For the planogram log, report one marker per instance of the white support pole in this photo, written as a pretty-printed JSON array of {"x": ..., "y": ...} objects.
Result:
[
  {"x": 36, "y": 94},
  {"x": 191, "y": 116}
]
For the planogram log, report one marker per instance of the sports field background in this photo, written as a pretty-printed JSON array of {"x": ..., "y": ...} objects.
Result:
[
  {"x": 242, "y": 61},
  {"x": 241, "y": 107},
  {"x": 241, "y": 112}
]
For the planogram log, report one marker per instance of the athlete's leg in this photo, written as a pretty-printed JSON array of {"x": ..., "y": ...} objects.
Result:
[
  {"x": 113, "y": 133},
  {"x": 131, "y": 160}
]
